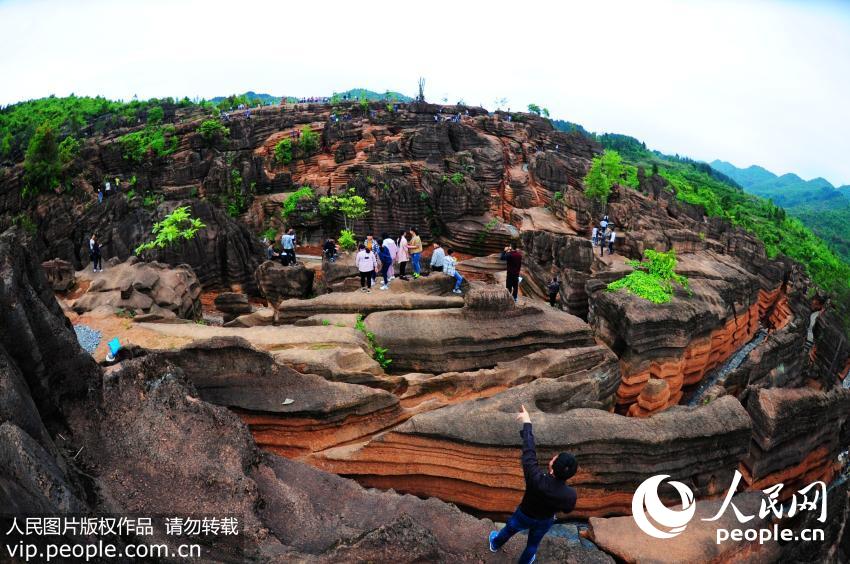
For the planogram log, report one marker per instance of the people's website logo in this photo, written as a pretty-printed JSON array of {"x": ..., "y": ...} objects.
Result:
[{"x": 659, "y": 521}]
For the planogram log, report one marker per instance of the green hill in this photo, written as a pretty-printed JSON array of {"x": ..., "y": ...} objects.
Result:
[{"x": 821, "y": 206}]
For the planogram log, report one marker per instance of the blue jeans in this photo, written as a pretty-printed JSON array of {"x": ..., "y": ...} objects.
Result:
[
  {"x": 414, "y": 258},
  {"x": 458, "y": 280},
  {"x": 519, "y": 521}
]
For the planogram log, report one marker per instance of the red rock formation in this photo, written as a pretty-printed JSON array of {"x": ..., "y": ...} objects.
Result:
[{"x": 653, "y": 398}]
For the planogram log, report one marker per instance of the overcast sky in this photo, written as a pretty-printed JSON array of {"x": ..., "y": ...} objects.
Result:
[{"x": 748, "y": 82}]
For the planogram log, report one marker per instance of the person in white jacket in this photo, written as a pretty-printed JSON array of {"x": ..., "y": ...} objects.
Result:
[{"x": 366, "y": 262}]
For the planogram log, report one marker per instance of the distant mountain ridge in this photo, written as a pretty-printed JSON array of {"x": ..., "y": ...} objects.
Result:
[
  {"x": 352, "y": 93},
  {"x": 821, "y": 207}
]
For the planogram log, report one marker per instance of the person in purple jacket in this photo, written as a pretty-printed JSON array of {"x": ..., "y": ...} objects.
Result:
[{"x": 545, "y": 494}]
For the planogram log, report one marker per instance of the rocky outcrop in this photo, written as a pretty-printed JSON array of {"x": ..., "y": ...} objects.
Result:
[
  {"x": 364, "y": 304},
  {"x": 232, "y": 305},
  {"x": 512, "y": 331},
  {"x": 458, "y": 453},
  {"x": 143, "y": 287},
  {"x": 288, "y": 413},
  {"x": 796, "y": 437},
  {"x": 277, "y": 282},
  {"x": 680, "y": 341},
  {"x": 595, "y": 363},
  {"x": 60, "y": 274}
]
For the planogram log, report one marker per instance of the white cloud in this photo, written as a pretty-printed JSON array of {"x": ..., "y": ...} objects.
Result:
[{"x": 749, "y": 82}]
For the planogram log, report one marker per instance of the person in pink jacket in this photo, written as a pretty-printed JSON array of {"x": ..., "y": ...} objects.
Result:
[{"x": 402, "y": 255}]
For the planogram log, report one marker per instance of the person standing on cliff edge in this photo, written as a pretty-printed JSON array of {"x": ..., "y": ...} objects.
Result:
[
  {"x": 513, "y": 257},
  {"x": 545, "y": 494}
]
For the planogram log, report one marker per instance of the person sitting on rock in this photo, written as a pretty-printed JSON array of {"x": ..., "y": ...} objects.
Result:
[
  {"x": 437, "y": 258},
  {"x": 554, "y": 288},
  {"x": 329, "y": 250},
  {"x": 513, "y": 257},
  {"x": 366, "y": 264},
  {"x": 545, "y": 495},
  {"x": 270, "y": 252},
  {"x": 450, "y": 269}
]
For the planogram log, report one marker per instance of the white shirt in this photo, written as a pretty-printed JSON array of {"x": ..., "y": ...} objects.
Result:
[
  {"x": 613, "y": 236},
  {"x": 366, "y": 262},
  {"x": 595, "y": 232}
]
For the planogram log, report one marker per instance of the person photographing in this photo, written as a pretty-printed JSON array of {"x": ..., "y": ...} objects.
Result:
[{"x": 545, "y": 495}]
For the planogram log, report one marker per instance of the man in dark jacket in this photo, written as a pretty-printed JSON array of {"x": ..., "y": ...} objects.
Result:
[
  {"x": 514, "y": 259},
  {"x": 545, "y": 494}
]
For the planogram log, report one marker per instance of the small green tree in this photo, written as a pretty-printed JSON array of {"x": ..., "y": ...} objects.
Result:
[
  {"x": 351, "y": 206},
  {"x": 364, "y": 102},
  {"x": 69, "y": 148},
  {"x": 605, "y": 170},
  {"x": 291, "y": 202},
  {"x": 534, "y": 109},
  {"x": 347, "y": 241},
  {"x": 41, "y": 162},
  {"x": 212, "y": 131},
  {"x": 177, "y": 225},
  {"x": 545, "y": 112},
  {"x": 309, "y": 141},
  {"x": 156, "y": 115},
  {"x": 652, "y": 279},
  {"x": 283, "y": 151}
]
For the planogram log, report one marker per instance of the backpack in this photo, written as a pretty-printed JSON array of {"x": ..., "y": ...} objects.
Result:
[{"x": 554, "y": 286}]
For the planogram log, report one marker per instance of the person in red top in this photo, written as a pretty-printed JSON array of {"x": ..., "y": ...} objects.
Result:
[
  {"x": 545, "y": 495},
  {"x": 514, "y": 259}
]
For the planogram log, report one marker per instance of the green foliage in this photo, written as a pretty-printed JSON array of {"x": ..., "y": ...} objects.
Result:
[
  {"x": 291, "y": 202},
  {"x": 652, "y": 280},
  {"x": 25, "y": 222},
  {"x": 177, "y": 225},
  {"x": 309, "y": 141},
  {"x": 283, "y": 151},
  {"x": 534, "y": 109},
  {"x": 364, "y": 103},
  {"x": 212, "y": 131},
  {"x": 153, "y": 140},
  {"x": 545, "y": 112},
  {"x": 456, "y": 178},
  {"x": 151, "y": 200},
  {"x": 269, "y": 234},
  {"x": 378, "y": 353},
  {"x": 69, "y": 148},
  {"x": 346, "y": 240},
  {"x": 558, "y": 196},
  {"x": 156, "y": 115},
  {"x": 351, "y": 206},
  {"x": 41, "y": 164},
  {"x": 605, "y": 170},
  {"x": 130, "y": 194}
]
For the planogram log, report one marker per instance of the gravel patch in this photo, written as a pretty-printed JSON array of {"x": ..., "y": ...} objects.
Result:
[{"x": 88, "y": 338}]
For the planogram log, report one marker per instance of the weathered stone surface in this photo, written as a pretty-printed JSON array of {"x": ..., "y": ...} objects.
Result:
[
  {"x": 232, "y": 305},
  {"x": 139, "y": 286},
  {"x": 467, "y": 445},
  {"x": 596, "y": 363},
  {"x": 452, "y": 339},
  {"x": 278, "y": 282},
  {"x": 364, "y": 304},
  {"x": 796, "y": 436},
  {"x": 60, "y": 274}
]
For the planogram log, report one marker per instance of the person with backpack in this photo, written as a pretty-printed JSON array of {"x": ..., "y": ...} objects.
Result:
[
  {"x": 450, "y": 269},
  {"x": 545, "y": 495},
  {"x": 386, "y": 263},
  {"x": 329, "y": 250},
  {"x": 366, "y": 264},
  {"x": 554, "y": 288}
]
